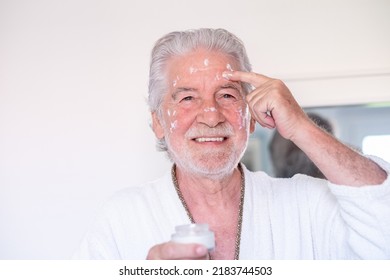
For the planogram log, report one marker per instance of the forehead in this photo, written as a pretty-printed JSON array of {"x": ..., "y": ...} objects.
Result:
[{"x": 200, "y": 61}]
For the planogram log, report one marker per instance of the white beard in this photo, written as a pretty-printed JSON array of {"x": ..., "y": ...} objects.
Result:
[{"x": 210, "y": 164}]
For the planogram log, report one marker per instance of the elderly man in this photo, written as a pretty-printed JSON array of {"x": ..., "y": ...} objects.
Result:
[{"x": 205, "y": 101}]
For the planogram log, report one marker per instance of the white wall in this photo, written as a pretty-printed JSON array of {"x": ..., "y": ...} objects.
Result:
[{"x": 73, "y": 82}]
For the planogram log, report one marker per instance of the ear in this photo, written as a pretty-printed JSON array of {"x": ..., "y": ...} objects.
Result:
[
  {"x": 252, "y": 125},
  {"x": 157, "y": 127}
]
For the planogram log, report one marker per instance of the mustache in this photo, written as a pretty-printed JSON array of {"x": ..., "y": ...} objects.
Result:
[{"x": 221, "y": 130}]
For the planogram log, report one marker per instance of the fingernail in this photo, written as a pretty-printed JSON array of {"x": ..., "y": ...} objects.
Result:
[
  {"x": 201, "y": 250},
  {"x": 227, "y": 75}
]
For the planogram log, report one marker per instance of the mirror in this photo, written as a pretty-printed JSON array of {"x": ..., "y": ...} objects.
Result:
[{"x": 363, "y": 127}]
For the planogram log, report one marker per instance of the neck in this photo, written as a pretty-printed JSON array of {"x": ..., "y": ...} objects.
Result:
[
  {"x": 205, "y": 191},
  {"x": 218, "y": 203}
]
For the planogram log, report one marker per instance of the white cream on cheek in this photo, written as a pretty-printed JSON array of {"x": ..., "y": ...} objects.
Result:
[
  {"x": 242, "y": 117},
  {"x": 170, "y": 113},
  {"x": 192, "y": 70},
  {"x": 172, "y": 120},
  {"x": 173, "y": 126}
]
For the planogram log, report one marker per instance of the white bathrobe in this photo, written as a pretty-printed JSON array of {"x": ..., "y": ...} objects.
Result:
[{"x": 297, "y": 218}]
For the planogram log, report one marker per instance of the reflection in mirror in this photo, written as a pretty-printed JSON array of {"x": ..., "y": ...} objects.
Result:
[{"x": 364, "y": 127}]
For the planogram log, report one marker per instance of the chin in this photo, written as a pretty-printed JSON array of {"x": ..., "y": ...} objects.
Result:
[
  {"x": 211, "y": 163},
  {"x": 212, "y": 167}
]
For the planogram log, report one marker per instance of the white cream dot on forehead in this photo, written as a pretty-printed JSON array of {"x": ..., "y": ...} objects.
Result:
[
  {"x": 174, "y": 82},
  {"x": 206, "y": 62},
  {"x": 192, "y": 70},
  {"x": 229, "y": 67}
]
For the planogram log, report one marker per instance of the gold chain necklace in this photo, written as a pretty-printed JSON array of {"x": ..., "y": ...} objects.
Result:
[{"x": 240, "y": 211}]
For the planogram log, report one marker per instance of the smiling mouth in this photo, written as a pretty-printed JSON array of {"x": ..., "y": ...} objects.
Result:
[{"x": 209, "y": 139}]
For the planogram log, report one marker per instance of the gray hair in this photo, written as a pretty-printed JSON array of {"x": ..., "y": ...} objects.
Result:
[
  {"x": 181, "y": 43},
  {"x": 288, "y": 159}
]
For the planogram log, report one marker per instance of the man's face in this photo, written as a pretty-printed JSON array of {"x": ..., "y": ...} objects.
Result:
[{"x": 204, "y": 117}]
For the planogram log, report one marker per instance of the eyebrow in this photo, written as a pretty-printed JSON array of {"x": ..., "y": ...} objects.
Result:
[
  {"x": 231, "y": 86},
  {"x": 234, "y": 86}
]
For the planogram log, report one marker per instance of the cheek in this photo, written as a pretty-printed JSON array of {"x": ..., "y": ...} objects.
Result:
[
  {"x": 172, "y": 122},
  {"x": 242, "y": 117},
  {"x": 177, "y": 120},
  {"x": 173, "y": 126}
]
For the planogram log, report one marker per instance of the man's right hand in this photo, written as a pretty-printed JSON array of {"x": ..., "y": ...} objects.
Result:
[{"x": 176, "y": 251}]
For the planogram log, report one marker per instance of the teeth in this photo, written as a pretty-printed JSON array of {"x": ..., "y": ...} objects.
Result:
[{"x": 204, "y": 139}]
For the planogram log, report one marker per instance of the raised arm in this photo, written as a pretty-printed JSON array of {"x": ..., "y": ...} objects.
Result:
[{"x": 273, "y": 106}]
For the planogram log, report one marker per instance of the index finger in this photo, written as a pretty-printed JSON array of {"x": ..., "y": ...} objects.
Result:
[{"x": 252, "y": 78}]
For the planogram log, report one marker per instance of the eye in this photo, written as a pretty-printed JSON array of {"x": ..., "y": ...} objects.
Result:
[
  {"x": 227, "y": 96},
  {"x": 188, "y": 98},
  {"x": 228, "y": 93}
]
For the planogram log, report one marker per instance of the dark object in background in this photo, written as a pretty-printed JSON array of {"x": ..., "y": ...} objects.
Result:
[{"x": 288, "y": 159}]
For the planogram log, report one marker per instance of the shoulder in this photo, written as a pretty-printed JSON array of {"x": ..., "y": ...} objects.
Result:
[
  {"x": 143, "y": 195},
  {"x": 262, "y": 179},
  {"x": 263, "y": 184}
]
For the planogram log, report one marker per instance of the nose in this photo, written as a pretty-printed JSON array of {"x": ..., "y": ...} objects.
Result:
[{"x": 210, "y": 114}]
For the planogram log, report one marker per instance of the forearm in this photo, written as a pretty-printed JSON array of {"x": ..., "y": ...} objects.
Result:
[
  {"x": 339, "y": 163},
  {"x": 272, "y": 105}
]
